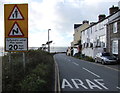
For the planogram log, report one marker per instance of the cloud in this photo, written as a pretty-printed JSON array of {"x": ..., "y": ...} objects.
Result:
[
  {"x": 59, "y": 16},
  {"x": 13, "y": 1},
  {"x": 44, "y": 15}
]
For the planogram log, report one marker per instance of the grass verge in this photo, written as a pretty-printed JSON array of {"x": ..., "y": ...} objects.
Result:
[
  {"x": 83, "y": 57},
  {"x": 38, "y": 74}
]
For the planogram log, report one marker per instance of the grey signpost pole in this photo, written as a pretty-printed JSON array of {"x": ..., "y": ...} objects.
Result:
[
  {"x": 16, "y": 37},
  {"x": 10, "y": 57},
  {"x": 12, "y": 69},
  {"x": 24, "y": 61},
  {"x": 48, "y": 41}
]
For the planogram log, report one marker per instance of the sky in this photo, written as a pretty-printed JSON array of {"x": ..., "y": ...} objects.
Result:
[{"x": 57, "y": 15}]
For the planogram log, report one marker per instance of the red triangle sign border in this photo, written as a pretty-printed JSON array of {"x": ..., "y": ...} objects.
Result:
[
  {"x": 16, "y": 35},
  {"x": 12, "y": 12}
]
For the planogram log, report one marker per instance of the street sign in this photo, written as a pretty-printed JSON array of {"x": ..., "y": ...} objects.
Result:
[
  {"x": 16, "y": 27},
  {"x": 15, "y": 31},
  {"x": 16, "y": 14},
  {"x": 16, "y": 44}
]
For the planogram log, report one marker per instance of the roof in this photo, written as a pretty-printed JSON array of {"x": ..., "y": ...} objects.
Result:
[
  {"x": 102, "y": 20},
  {"x": 114, "y": 20}
]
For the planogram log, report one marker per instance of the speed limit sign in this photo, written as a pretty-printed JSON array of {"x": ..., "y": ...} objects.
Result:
[{"x": 16, "y": 44}]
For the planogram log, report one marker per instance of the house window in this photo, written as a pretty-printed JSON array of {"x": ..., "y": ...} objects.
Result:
[
  {"x": 91, "y": 30},
  {"x": 115, "y": 47},
  {"x": 102, "y": 40},
  {"x": 115, "y": 27}
]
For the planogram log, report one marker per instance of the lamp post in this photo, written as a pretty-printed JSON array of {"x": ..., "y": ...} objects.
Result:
[{"x": 48, "y": 41}]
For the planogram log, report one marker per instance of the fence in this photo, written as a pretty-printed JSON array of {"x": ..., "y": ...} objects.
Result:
[{"x": 18, "y": 65}]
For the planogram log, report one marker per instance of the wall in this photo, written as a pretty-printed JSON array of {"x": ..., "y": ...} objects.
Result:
[
  {"x": 112, "y": 36},
  {"x": 90, "y": 35},
  {"x": 77, "y": 32}
]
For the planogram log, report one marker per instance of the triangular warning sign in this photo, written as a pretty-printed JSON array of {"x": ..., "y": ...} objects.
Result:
[
  {"x": 16, "y": 14},
  {"x": 15, "y": 31}
]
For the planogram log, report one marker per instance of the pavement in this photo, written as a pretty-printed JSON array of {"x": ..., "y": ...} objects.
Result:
[{"x": 82, "y": 76}]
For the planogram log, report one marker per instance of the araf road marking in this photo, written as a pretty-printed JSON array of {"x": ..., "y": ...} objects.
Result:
[
  {"x": 102, "y": 84},
  {"x": 92, "y": 84},
  {"x": 118, "y": 87},
  {"x": 80, "y": 83},
  {"x": 77, "y": 83},
  {"x": 91, "y": 72},
  {"x": 65, "y": 83},
  {"x": 75, "y": 63},
  {"x": 69, "y": 60}
]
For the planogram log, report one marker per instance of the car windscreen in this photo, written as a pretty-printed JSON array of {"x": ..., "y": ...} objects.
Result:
[
  {"x": 110, "y": 57},
  {"x": 105, "y": 54}
]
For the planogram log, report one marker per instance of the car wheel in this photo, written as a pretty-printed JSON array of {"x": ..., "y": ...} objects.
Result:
[
  {"x": 96, "y": 60},
  {"x": 103, "y": 62}
]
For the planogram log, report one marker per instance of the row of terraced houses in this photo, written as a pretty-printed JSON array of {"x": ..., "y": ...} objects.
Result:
[{"x": 101, "y": 36}]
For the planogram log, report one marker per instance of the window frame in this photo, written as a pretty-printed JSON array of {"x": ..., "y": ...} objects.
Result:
[
  {"x": 115, "y": 46},
  {"x": 115, "y": 27}
]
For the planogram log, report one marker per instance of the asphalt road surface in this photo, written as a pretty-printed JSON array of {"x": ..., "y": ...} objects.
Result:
[{"x": 81, "y": 76}]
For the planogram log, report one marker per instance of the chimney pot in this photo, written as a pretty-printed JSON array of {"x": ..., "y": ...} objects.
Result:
[
  {"x": 85, "y": 21},
  {"x": 101, "y": 17},
  {"x": 113, "y": 9}
]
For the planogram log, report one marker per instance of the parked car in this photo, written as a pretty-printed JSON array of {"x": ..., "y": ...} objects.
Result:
[{"x": 105, "y": 58}]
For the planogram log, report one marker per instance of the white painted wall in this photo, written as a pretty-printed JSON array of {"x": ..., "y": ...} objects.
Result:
[
  {"x": 75, "y": 50},
  {"x": 88, "y": 52},
  {"x": 91, "y": 35}
]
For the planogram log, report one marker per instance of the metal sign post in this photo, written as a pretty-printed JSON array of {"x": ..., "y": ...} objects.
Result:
[
  {"x": 16, "y": 31},
  {"x": 9, "y": 57},
  {"x": 24, "y": 61}
]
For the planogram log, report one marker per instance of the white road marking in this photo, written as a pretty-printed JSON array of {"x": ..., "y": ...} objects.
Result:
[
  {"x": 77, "y": 83},
  {"x": 69, "y": 60},
  {"x": 112, "y": 68},
  {"x": 65, "y": 58},
  {"x": 75, "y": 63},
  {"x": 100, "y": 82},
  {"x": 118, "y": 87},
  {"x": 65, "y": 83},
  {"x": 92, "y": 84},
  {"x": 91, "y": 72}
]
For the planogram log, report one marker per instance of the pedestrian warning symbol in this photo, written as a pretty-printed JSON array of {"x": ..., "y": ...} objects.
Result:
[
  {"x": 15, "y": 31},
  {"x": 16, "y": 14}
]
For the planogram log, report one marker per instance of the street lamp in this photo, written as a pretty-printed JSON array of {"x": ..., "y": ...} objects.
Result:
[{"x": 48, "y": 41}]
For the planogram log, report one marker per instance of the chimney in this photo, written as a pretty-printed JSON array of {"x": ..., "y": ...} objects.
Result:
[
  {"x": 77, "y": 25},
  {"x": 113, "y": 9},
  {"x": 85, "y": 21},
  {"x": 101, "y": 17}
]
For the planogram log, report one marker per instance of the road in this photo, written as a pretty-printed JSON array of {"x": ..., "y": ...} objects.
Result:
[{"x": 78, "y": 75}]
